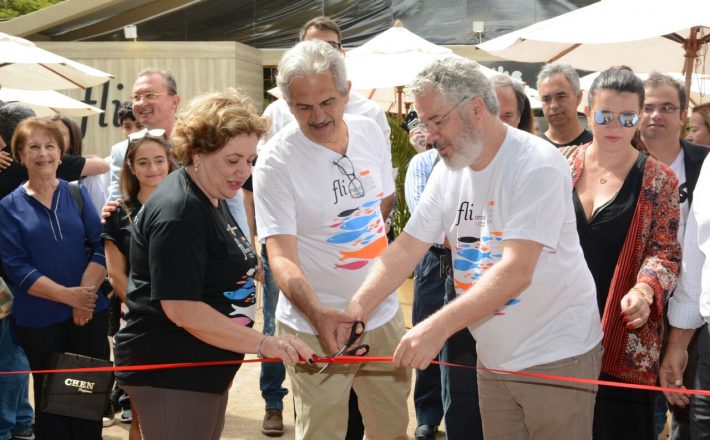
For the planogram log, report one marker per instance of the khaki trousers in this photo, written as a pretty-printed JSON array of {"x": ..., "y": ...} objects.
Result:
[
  {"x": 321, "y": 400},
  {"x": 524, "y": 408}
]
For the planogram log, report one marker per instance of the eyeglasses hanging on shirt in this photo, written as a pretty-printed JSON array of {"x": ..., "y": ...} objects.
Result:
[{"x": 347, "y": 168}]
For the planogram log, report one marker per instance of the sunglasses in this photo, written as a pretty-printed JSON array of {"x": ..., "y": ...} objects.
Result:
[
  {"x": 626, "y": 119},
  {"x": 145, "y": 133}
]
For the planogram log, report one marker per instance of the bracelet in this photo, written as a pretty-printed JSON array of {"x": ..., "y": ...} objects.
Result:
[
  {"x": 645, "y": 295},
  {"x": 258, "y": 350}
]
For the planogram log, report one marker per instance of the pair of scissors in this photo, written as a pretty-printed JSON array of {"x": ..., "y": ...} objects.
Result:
[{"x": 361, "y": 350}]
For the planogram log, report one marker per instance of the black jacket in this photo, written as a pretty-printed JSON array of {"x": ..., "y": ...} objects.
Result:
[{"x": 694, "y": 155}]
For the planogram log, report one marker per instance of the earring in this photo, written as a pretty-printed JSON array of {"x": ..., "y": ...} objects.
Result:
[
  {"x": 195, "y": 168},
  {"x": 60, "y": 161}
]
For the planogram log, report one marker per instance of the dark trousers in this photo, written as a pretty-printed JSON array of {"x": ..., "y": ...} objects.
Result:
[
  {"x": 459, "y": 385},
  {"x": 700, "y": 405},
  {"x": 39, "y": 344},
  {"x": 624, "y": 414},
  {"x": 429, "y": 290}
]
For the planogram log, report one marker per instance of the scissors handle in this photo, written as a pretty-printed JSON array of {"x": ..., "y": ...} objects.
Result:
[{"x": 357, "y": 351}]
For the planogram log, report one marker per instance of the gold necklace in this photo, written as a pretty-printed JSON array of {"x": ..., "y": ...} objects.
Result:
[{"x": 603, "y": 179}]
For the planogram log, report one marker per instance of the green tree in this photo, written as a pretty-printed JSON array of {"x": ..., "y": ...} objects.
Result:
[{"x": 15, "y": 8}]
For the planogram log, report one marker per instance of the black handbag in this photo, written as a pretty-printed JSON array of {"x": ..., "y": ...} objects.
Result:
[{"x": 83, "y": 395}]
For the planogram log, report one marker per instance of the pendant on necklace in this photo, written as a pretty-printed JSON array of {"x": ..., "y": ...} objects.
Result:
[
  {"x": 602, "y": 180},
  {"x": 231, "y": 230}
]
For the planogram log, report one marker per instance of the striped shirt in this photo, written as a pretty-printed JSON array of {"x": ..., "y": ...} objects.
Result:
[{"x": 418, "y": 172}]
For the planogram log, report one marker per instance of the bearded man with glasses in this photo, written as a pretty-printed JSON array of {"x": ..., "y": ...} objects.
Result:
[
  {"x": 524, "y": 290},
  {"x": 318, "y": 187}
]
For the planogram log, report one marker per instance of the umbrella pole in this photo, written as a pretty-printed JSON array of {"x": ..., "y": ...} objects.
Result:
[
  {"x": 691, "y": 46},
  {"x": 399, "y": 91}
]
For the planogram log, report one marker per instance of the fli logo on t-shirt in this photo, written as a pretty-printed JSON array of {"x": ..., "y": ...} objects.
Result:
[
  {"x": 355, "y": 184},
  {"x": 361, "y": 231},
  {"x": 478, "y": 248}
]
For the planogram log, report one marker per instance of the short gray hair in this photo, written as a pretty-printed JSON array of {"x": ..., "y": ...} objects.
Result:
[
  {"x": 311, "y": 58},
  {"x": 168, "y": 77},
  {"x": 560, "y": 68},
  {"x": 456, "y": 79},
  {"x": 12, "y": 114}
]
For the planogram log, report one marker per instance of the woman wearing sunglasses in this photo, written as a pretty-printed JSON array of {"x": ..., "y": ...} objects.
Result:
[
  {"x": 191, "y": 295},
  {"x": 627, "y": 218},
  {"x": 147, "y": 162}
]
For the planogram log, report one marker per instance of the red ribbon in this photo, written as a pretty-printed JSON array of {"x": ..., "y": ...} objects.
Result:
[{"x": 362, "y": 360}]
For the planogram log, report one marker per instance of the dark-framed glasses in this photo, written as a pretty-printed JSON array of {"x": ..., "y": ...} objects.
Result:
[
  {"x": 626, "y": 119},
  {"x": 147, "y": 96},
  {"x": 427, "y": 127},
  {"x": 334, "y": 44},
  {"x": 663, "y": 108},
  {"x": 346, "y": 167},
  {"x": 145, "y": 133}
]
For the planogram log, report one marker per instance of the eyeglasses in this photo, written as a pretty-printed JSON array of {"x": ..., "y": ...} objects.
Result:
[
  {"x": 663, "y": 108},
  {"x": 334, "y": 44},
  {"x": 147, "y": 96},
  {"x": 626, "y": 119},
  {"x": 355, "y": 186},
  {"x": 426, "y": 128},
  {"x": 145, "y": 133}
]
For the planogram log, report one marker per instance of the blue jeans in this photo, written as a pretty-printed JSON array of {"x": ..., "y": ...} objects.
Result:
[
  {"x": 273, "y": 374},
  {"x": 460, "y": 385},
  {"x": 15, "y": 410},
  {"x": 429, "y": 287}
]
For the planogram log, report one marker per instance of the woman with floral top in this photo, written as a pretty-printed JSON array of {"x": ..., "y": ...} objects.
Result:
[{"x": 627, "y": 218}]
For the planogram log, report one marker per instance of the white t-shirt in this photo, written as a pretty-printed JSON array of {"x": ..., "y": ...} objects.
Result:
[
  {"x": 678, "y": 167},
  {"x": 524, "y": 193},
  {"x": 299, "y": 190},
  {"x": 281, "y": 116}
]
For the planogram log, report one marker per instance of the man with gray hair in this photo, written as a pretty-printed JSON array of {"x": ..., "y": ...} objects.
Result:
[
  {"x": 318, "y": 186},
  {"x": 558, "y": 86},
  {"x": 155, "y": 101},
  {"x": 273, "y": 374},
  {"x": 504, "y": 201}
]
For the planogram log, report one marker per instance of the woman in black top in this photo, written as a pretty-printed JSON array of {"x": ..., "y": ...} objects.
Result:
[
  {"x": 191, "y": 293},
  {"x": 147, "y": 162}
]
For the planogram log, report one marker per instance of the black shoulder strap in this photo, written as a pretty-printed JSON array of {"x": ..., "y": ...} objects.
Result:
[{"x": 76, "y": 195}]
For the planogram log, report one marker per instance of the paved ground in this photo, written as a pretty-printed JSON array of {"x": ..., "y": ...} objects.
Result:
[{"x": 246, "y": 407}]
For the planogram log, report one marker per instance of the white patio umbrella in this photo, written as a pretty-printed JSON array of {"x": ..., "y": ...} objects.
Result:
[
  {"x": 383, "y": 67},
  {"x": 23, "y": 65},
  {"x": 48, "y": 102},
  {"x": 645, "y": 35},
  {"x": 390, "y": 61}
]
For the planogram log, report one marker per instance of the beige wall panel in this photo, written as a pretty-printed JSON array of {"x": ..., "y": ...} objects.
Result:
[{"x": 198, "y": 67}]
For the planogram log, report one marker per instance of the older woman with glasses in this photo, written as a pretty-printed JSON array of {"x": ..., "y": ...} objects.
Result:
[
  {"x": 191, "y": 297},
  {"x": 627, "y": 211},
  {"x": 59, "y": 306}
]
